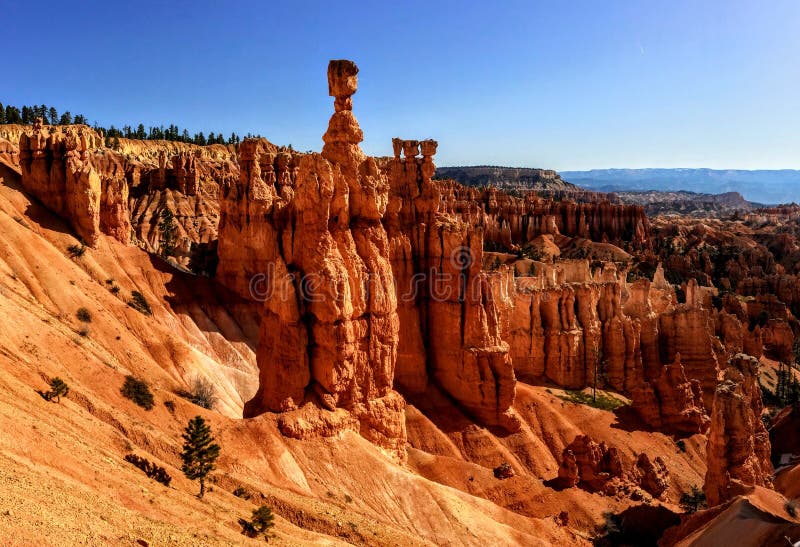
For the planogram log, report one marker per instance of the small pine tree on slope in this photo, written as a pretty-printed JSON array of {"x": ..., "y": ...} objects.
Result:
[{"x": 199, "y": 452}]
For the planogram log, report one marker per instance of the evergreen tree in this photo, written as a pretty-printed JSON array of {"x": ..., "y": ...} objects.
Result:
[
  {"x": 80, "y": 119},
  {"x": 140, "y": 132},
  {"x": 66, "y": 118},
  {"x": 199, "y": 452},
  {"x": 200, "y": 139},
  {"x": 2, "y": 114},
  {"x": 169, "y": 233},
  {"x": 27, "y": 115},
  {"x": 13, "y": 115},
  {"x": 185, "y": 136},
  {"x": 53, "y": 114},
  {"x": 212, "y": 138}
]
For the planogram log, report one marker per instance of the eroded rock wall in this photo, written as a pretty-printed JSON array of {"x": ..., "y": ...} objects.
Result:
[{"x": 512, "y": 221}]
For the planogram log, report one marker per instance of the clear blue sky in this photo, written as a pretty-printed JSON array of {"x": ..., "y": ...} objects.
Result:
[{"x": 564, "y": 85}]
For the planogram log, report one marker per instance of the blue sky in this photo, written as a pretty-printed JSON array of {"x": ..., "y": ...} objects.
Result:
[{"x": 563, "y": 85}]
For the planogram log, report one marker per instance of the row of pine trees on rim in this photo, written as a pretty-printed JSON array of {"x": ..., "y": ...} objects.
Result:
[{"x": 26, "y": 115}]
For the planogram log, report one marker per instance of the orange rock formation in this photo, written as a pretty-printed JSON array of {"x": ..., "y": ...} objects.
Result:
[{"x": 738, "y": 443}]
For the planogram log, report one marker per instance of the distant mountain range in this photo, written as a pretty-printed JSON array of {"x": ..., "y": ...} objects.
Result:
[{"x": 760, "y": 186}]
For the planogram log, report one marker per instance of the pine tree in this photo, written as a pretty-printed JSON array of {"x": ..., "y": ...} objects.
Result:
[
  {"x": 58, "y": 389},
  {"x": 169, "y": 233},
  {"x": 796, "y": 352},
  {"x": 53, "y": 114},
  {"x": 2, "y": 113},
  {"x": 66, "y": 118},
  {"x": 80, "y": 119},
  {"x": 199, "y": 452},
  {"x": 13, "y": 115}
]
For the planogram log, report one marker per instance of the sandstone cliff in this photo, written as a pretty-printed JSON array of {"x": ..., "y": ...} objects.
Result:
[{"x": 66, "y": 169}]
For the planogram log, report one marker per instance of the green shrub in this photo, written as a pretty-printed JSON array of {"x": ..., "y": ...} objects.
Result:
[
  {"x": 76, "y": 251},
  {"x": 201, "y": 392},
  {"x": 138, "y": 391},
  {"x": 603, "y": 402},
  {"x": 611, "y": 524},
  {"x": 503, "y": 471},
  {"x": 693, "y": 501},
  {"x": 260, "y": 523},
  {"x": 241, "y": 492},
  {"x": 170, "y": 404},
  {"x": 791, "y": 508},
  {"x": 139, "y": 303},
  {"x": 83, "y": 315},
  {"x": 58, "y": 389},
  {"x": 155, "y": 472}
]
